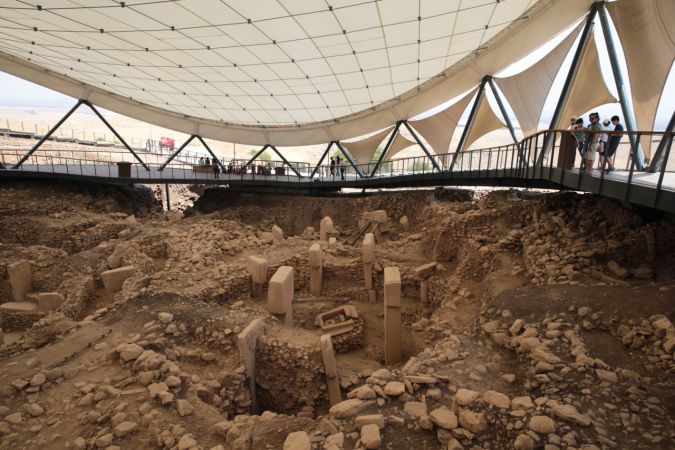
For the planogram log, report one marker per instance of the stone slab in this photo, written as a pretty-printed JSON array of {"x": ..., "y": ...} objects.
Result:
[
  {"x": 392, "y": 315},
  {"x": 277, "y": 233},
  {"x": 332, "y": 242},
  {"x": 281, "y": 290},
  {"x": 315, "y": 256},
  {"x": 368, "y": 248},
  {"x": 392, "y": 286},
  {"x": 246, "y": 343},
  {"x": 315, "y": 280},
  {"x": 425, "y": 270},
  {"x": 326, "y": 227},
  {"x": 115, "y": 278},
  {"x": 332, "y": 380},
  {"x": 368, "y": 276},
  {"x": 50, "y": 301},
  {"x": 19, "y": 306},
  {"x": 20, "y": 279},
  {"x": 257, "y": 267}
]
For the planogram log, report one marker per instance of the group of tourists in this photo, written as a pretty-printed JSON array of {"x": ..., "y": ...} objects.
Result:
[
  {"x": 211, "y": 162},
  {"x": 337, "y": 167},
  {"x": 597, "y": 141}
]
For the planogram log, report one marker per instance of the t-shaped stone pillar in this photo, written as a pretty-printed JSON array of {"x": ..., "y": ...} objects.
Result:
[
  {"x": 392, "y": 315},
  {"x": 246, "y": 342},
  {"x": 332, "y": 380},
  {"x": 368, "y": 257},
  {"x": 315, "y": 269},
  {"x": 280, "y": 294},
  {"x": 277, "y": 233},
  {"x": 423, "y": 273},
  {"x": 257, "y": 267},
  {"x": 326, "y": 227},
  {"x": 20, "y": 279}
]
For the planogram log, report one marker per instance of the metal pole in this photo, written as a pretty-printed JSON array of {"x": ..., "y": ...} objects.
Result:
[
  {"x": 256, "y": 155},
  {"x": 658, "y": 155},
  {"x": 321, "y": 160},
  {"x": 345, "y": 153},
  {"x": 46, "y": 136},
  {"x": 386, "y": 147},
  {"x": 469, "y": 122},
  {"x": 507, "y": 119},
  {"x": 284, "y": 160},
  {"x": 424, "y": 148},
  {"x": 569, "y": 81},
  {"x": 116, "y": 134},
  {"x": 168, "y": 198},
  {"x": 180, "y": 149},
  {"x": 620, "y": 85},
  {"x": 208, "y": 149}
]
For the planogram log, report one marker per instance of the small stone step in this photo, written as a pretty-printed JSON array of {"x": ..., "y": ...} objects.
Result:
[{"x": 19, "y": 306}]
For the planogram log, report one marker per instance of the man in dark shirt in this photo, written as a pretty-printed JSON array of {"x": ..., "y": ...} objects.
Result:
[{"x": 613, "y": 144}]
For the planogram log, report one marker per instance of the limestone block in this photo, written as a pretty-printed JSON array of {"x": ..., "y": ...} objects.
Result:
[
  {"x": 50, "y": 301},
  {"x": 315, "y": 256},
  {"x": 114, "y": 279},
  {"x": 20, "y": 279},
  {"x": 257, "y": 267},
  {"x": 115, "y": 260},
  {"x": 332, "y": 380},
  {"x": 246, "y": 343},
  {"x": 392, "y": 315},
  {"x": 425, "y": 270},
  {"x": 368, "y": 276},
  {"x": 368, "y": 248},
  {"x": 277, "y": 233},
  {"x": 326, "y": 227},
  {"x": 19, "y": 306},
  {"x": 379, "y": 216},
  {"x": 298, "y": 440},
  {"x": 403, "y": 221},
  {"x": 332, "y": 242},
  {"x": 424, "y": 291},
  {"x": 280, "y": 292}
]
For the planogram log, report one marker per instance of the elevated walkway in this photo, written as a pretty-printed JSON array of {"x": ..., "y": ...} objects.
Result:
[{"x": 515, "y": 165}]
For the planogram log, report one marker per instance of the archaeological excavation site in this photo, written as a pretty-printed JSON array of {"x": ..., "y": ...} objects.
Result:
[{"x": 414, "y": 319}]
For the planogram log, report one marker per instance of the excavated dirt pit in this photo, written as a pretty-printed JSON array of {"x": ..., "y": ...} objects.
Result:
[{"x": 547, "y": 323}]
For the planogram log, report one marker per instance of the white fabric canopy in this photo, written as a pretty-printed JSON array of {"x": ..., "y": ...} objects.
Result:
[
  {"x": 400, "y": 143},
  {"x": 527, "y": 91},
  {"x": 439, "y": 128},
  {"x": 282, "y": 72},
  {"x": 647, "y": 33},
  {"x": 485, "y": 122},
  {"x": 589, "y": 89},
  {"x": 364, "y": 149}
]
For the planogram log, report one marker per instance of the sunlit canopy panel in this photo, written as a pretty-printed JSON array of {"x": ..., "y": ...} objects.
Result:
[
  {"x": 647, "y": 35},
  {"x": 439, "y": 128},
  {"x": 399, "y": 144},
  {"x": 485, "y": 122},
  {"x": 527, "y": 91},
  {"x": 284, "y": 72},
  {"x": 364, "y": 149},
  {"x": 589, "y": 89}
]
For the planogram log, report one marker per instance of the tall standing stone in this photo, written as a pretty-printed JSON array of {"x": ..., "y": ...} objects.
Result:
[
  {"x": 277, "y": 234},
  {"x": 326, "y": 227},
  {"x": 257, "y": 267},
  {"x": 280, "y": 293},
  {"x": 332, "y": 380},
  {"x": 315, "y": 269},
  {"x": 392, "y": 315},
  {"x": 20, "y": 279},
  {"x": 368, "y": 258},
  {"x": 246, "y": 342}
]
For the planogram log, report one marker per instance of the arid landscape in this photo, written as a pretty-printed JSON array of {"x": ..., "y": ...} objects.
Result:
[{"x": 426, "y": 319}]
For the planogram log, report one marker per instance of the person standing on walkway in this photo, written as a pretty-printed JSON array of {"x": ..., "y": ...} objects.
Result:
[
  {"x": 216, "y": 168},
  {"x": 337, "y": 165},
  {"x": 343, "y": 169},
  {"x": 580, "y": 136},
  {"x": 332, "y": 166},
  {"x": 593, "y": 139},
  {"x": 606, "y": 127},
  {"x": 613, "y": 143}
]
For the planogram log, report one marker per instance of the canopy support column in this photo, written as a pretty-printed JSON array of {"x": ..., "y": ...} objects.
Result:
[
  {"x": 117, "y": 135},
  {"x": 330, "y": 144},
  {"x": 629, "y": 117},
  {"x": 586, "y": 34},
  {"x": 507, "y": 119},
  {"x": 285, "y": 160},
  {"x": 655, "y": 164},
  {"x": 469, "y": 122},
  {"x": 424, "y": 148},
  {"x": 346, "y": 154},
  {"x": 174, "y": 154},
  {"x": 260, "y": 152},
  {"x": 48, "y": 135},
  {"x": 386, "y": 147}
]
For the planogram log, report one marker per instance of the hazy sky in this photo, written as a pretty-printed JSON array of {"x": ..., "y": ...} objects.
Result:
[{"x": 17, "y": 92}]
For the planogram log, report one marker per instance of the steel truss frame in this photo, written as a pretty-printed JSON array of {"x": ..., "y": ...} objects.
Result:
[
  {"x": 275, "y": 150},
  {"x": 185, "y": 144},
  {"x": 61, "y": 122}
]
